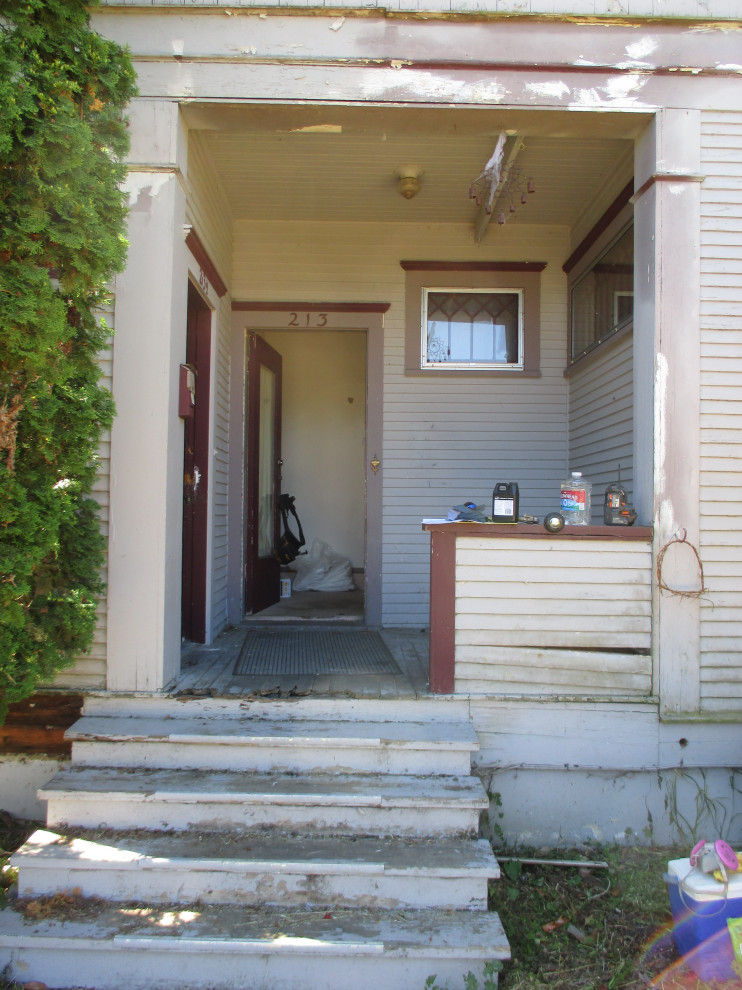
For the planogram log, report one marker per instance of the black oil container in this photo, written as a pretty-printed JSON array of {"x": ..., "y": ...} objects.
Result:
[{"x": 505, "y": 502}]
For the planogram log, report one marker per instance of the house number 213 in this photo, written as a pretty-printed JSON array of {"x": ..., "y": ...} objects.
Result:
[{"x": 308, "y": 320}]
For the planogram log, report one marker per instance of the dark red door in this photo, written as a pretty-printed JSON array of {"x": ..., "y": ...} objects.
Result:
[
  {"x": 263, "y": 456},
  {"x": 196, "y": 473}
]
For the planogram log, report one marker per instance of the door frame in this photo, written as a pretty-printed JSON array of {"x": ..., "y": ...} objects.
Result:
[
  {"x": 262, "y": 574},
  {"x": 197, "y": 431},
  {"x": 252, "y": 317}
]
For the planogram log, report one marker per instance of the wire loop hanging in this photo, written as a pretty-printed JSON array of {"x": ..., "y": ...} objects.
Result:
[{"x": 696, "y": 593}]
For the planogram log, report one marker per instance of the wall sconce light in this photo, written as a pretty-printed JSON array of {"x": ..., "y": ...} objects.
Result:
[{"x": 408, "y": 181}]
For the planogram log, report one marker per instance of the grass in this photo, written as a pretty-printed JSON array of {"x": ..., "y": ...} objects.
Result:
[
  {"x": 13, "y": 833},
  {"x": 569, "y": 928},
  {"x": 594, "y": 929}
]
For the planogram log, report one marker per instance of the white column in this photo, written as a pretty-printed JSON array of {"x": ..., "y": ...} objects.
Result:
[
  {"x": 667, "y": 388},
  {"x": 145, "y": 543}
]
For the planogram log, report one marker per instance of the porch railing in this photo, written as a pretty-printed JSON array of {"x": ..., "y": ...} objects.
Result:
[{"x": 517, "y": 611}]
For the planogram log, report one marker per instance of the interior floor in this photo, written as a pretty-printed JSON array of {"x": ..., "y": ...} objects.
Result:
[
  {"x": 209, "y": 671},
  {"x": 314, "y": 606}
]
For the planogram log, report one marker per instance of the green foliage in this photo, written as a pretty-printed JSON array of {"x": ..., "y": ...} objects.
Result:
[
  {"x": 63, "y": 90},
  {"x": 577, "y": 928},
  {"x": 709, "y": 814},
  {"x": 489, "y": 976}
]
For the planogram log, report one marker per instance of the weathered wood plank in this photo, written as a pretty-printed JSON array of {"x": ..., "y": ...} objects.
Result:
[
  {"x": 519, "y": 591},
  {"x": 587, "y": 609},
  {"x": 489, "y": 622},
  {"x": 37, "y": 725},
  {"x": 559, "y": 734},
  {"x": 563, "y": 553},
  {"x": 566, "y": 639},
  {"x": 545, "y": 660},
  {"x": 561, "y": 683},
  {"x": 533, "y": 573}
]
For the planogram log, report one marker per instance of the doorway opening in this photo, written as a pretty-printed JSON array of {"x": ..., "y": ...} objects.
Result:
[
  {"x": 331, "y": 454},
  {"x": 321, "y": 463}
]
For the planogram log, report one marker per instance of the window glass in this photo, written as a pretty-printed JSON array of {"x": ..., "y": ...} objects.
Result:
[
  {"x": 266, "y": 462},
  {"x": 603, "y": 299},
  {"x": 472, "y": 328}
]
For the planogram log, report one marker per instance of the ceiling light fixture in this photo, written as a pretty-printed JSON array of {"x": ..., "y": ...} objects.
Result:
[{"x": 408, "y": 181}]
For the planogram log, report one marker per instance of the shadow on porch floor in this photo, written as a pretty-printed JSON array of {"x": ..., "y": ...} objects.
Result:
[{"x": 209, "y": 671}]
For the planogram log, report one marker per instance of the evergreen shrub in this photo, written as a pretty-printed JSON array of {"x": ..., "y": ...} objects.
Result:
[{"x": 63, "y": 92}]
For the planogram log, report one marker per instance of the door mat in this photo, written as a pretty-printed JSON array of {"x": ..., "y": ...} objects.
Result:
[{"x": 314, "y": 651}]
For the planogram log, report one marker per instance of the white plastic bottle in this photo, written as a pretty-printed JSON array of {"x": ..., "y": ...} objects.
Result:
[{"x": 575, "y": 501}]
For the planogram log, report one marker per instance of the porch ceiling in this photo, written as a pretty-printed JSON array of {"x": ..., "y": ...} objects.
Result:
[{"x": 339, "y": 163}]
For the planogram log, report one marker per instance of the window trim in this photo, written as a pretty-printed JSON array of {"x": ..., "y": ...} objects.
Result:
[
  {"x": 482, "y": 276},
  {"x": 618, "y": 294},
  {"x": 617, "y": 232},
  {"x": 606, "y": 231}
]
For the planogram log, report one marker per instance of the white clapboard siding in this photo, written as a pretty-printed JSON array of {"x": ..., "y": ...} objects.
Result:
[
  {"x": 445, "y": 440},
  {"x": 548, "y": 617},
  {"x": 601, "y": 735},
  {"x": 512, "y": 672},
  {"x": 721, "y": 411},
  {"x": 209, "y": 213},
  {"x": 601, "y": 399}
]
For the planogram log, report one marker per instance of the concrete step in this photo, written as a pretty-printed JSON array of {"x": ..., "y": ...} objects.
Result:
[
  {"x": 113, "y": 947},
  {"x": 219, "y": 800},
  {"x": 444, "y": 708},
  {"x": 264, "y": 744},
  {"x": 255, "y": 869}
]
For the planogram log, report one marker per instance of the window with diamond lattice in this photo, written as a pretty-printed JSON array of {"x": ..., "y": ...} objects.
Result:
[{"x": 472, "y": 328}]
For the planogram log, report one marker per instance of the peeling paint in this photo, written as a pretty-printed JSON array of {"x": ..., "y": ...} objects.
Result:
[
  {"x": 595, "y": 99},
  {"x": 619, "y": 87},
  {"x": 318, "y": 129},
  {"x": 641, "y": 49},
  {"x": 143, "y": 188},
  {"x": 429, "y": 85},
  {"x": 556, "y": 90},
  {"x": 727, "y": 27},
  {"x": 661, "y": 377}
]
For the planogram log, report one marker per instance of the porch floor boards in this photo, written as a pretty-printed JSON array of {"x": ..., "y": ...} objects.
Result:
[{"x": 208, "y": 671}]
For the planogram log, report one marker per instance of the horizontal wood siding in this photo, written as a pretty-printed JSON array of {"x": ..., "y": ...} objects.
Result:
[
  {"x": 209, "y": 213},
  {"x": 445, "y": 439},
  {"x": 721, "y": 411},
  {"x": 89, "y": 670},
  {"x": 601, "y": 400},
  {"x": 556, "y": 735},
  {"x": 539, "y": 617}
]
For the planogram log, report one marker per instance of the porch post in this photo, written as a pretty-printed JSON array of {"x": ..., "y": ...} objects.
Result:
[
  {"x": 442, "y": 661},
  {"x": 145, "y": 541},
  {"x": 667, "y": 390}
]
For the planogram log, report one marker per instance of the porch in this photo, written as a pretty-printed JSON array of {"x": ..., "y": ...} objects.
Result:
[{"x": 323, "y": 670}]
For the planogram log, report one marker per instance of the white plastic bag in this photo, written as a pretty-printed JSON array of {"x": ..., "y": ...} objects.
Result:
[{"x": 321, "y": 569}]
